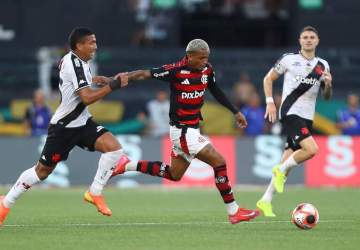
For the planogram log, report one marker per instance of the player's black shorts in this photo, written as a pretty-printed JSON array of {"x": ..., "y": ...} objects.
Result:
[
  {"x": 60, "y": 141},
  {"x": 296, "y": 129}
]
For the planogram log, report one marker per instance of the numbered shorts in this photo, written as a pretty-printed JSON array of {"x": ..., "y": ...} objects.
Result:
[
  {"x": 187, "y": 142},
  {"x": 60, "y": 141},
  {"x": 296, "y": 129}
]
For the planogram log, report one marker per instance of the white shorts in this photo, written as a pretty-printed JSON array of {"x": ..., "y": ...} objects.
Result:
[{"x": 187, "y": 142}]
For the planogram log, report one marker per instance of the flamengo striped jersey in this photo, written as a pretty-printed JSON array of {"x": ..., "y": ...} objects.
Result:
[
  {"x": 187, "y": 89},
  {"x": 302, "y": 80},
  {"x": 74, "y": 75}
]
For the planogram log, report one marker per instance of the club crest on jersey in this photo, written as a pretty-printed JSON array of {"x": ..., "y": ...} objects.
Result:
[{"x": 204, "y": 79}]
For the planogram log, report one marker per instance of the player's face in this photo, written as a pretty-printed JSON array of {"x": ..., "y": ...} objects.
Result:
[
  {"x": 308, "y": 40},
  {"x": 88, "y": 47},
  {"x": 198, "y": 60}
]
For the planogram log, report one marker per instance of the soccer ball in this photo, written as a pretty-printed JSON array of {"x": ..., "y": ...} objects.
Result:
[{"x": 305, "y": 216}]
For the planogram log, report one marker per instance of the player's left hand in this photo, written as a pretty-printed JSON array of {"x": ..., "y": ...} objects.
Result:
[
  {"x": 124, "y": 77},
  {"x": 240, "y": 120},
  {"x": 327, "y": 78}
]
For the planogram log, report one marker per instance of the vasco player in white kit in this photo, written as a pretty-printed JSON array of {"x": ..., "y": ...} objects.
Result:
[
  {"x": 304, "y": 74},
  {"x": 72, "y": 126}
]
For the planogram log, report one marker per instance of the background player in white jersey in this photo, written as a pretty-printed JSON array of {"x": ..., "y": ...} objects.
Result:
[
  {"x": 72, "y": 125},
  {"x": 304, "y": 74}
]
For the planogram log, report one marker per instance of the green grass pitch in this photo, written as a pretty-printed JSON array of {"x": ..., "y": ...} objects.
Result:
[{"x": 156, "y": 218}]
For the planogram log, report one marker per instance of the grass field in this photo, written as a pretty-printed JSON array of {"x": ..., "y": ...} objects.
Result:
[{"x": 155, "y": 218}]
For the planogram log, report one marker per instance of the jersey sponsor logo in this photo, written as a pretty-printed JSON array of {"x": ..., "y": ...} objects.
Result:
[
  {"x": 184, "y": 72},
  {"x": 204, "y": 79},
  {"x": 193, "y": 95},
  {"x": 77, "y": 62},
  {"x": 186, "y": 81},
  {"x": 296, "y": 64},
  {"x": 311, "y": 81},
  {"x": 161, "y": 74}
]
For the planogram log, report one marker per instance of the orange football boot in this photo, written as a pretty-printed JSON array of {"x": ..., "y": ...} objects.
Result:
[{"x": 99, "y": 202}]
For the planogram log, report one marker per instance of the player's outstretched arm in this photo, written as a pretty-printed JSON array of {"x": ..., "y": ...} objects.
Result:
[
  {"x": 327, "y": 91},
  {"x": 269, "y": 79},
  {"x": 138, "y": 75},
  {"x": 89, "y": 96}
]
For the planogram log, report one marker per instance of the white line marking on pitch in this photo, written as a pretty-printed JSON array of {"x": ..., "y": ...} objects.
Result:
[{"x": 156, "y": 223}]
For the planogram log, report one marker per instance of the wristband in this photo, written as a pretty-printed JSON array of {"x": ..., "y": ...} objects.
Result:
[
  {"x": 269, "y": 100},
  {"x": 115, "y": 84}
]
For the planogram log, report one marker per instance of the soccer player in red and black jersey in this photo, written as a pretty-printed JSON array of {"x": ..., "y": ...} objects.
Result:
[{"x": 189, "y": 78}]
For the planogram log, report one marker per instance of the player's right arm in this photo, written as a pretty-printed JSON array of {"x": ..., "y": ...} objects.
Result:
[
  {"x": 138, "y": 75},
  {"x": 269, "y": 79}
]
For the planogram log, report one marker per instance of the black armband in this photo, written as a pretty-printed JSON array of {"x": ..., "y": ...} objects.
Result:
[{"x": 115, "y": 84}]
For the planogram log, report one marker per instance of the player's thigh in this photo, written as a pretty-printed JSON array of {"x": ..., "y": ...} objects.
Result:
[
  {"x": 178, "y": 167},
  {"x": 107, "y": 143},
  {"x": 211, "y": 156},
  {"x": 96, "y": 137}
]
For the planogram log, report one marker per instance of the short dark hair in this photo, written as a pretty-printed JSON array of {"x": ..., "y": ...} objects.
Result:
[
  {"x": 76, "y": 36},
  {"x": 309, "y": 28}
]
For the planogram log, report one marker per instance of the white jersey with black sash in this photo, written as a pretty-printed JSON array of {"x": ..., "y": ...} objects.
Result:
[
  {"x": 302, "y": 81},
  {"x": 74, "y": 75}
]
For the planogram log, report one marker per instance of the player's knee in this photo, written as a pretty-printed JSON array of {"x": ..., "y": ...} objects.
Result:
[
  {"x": 219, "y": 161},
  {"x": 43, "y": 171}
]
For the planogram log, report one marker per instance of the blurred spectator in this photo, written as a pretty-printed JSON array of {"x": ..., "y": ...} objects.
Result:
[
  {"x": 254, "y": 113},
  {"x": 349, "y": 118},
  {"x": 243, "y": 89},
  {"x": 38, "y": 115},
  {"x": 159, "y": 114}
]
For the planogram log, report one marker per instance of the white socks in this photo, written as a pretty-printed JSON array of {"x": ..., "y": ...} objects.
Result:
[
  {"x": 269, "y": 193},
  {"x": 131, "y": 166},
  {"x": 288, "y": 164},
  {"x": 27, "y": 179},
  {"x": 232, "y": 208},
  {"x": 106, "y": 166}
]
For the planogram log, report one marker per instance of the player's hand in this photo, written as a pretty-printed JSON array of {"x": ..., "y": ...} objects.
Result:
[
  {"x": 100, "y": 80},
  {"x": 270, "y": 112},
  {"x": 240, "y": 120},
  {"x": 327, "y": 78},
  {"x": 124, "y": 77}
]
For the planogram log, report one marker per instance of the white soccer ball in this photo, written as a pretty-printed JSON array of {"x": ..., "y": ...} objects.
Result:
[{"x": 305, "y": 216}]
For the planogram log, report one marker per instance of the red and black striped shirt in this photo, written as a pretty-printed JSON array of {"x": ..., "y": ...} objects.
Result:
[{"x": 187, "y": 89}]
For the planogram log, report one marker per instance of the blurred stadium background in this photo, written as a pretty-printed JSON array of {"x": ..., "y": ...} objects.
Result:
[{"x": 246, "y": 38}]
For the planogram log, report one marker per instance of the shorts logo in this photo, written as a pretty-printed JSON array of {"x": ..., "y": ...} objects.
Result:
[
  {"x": 55, "y": 157},
  {"x": 304, "y": 130},
  {"x": 98, "y": 128}
]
